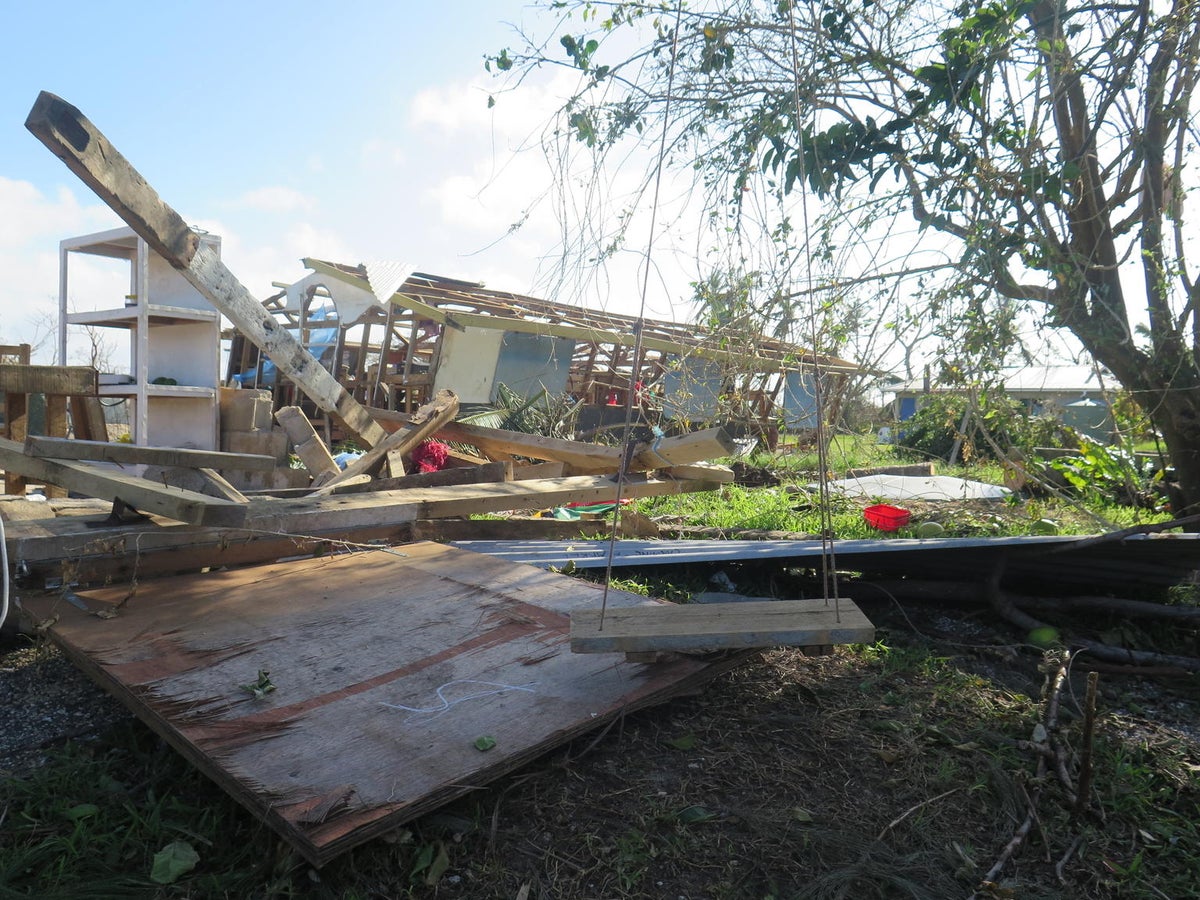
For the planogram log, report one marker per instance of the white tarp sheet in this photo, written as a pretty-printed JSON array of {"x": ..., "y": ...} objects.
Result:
[{"x": 917, "y": 487}]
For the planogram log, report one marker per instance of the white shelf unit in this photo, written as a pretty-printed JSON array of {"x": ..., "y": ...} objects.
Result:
[{"x": 174, "y": 333}]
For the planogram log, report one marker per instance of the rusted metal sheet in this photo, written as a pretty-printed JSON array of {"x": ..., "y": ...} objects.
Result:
[{"x": 386, "y": 668}]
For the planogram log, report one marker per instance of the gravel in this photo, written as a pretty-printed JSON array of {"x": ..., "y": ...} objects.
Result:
[{"x": 44, "y": 702}]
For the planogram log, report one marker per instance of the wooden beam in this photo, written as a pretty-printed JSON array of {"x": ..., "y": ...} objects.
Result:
[
  {"x": 220, "y": 487},
  {"x": 70, "y": 380},
  {"x": 702, "y": 472},
  {"x": 583, "y": 457},
  {"x": 435, "y": 414},
  {"x": 56, "y": 425},
  {"x": 309, "y": 446},
  {"x": 493, "y": 471},
  {"x": 87, "y": 418},
  {"x": 282, "y": 527},
  {"x": 94, "y": 481},
  {"x": 131, "y": 454},
  {"x": 16, "y": 427},
  {"x": 706, "y": 627},
  {"x": 71, "y": 137}
]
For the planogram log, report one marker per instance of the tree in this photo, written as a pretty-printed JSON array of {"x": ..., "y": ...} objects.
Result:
[{"x": 1049, "y": 144}]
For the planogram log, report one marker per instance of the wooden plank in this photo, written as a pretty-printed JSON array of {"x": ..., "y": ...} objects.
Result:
[
  {"x": 583, "y": 457},
  {"x": 56, "y": 424},
  {"x": 97, "y": 553},
  {"x": 70, "y": 136},
  {"x": 493, "y": 471},
  {"x": 87, "y": 419},
  {"x": 16, "y": 427},
  {"x": 220, "y": 487},
  {"x": 701, "y": 472},
  {"x": 539, "y": 470},
  {"x": 706, "y": 627},
  {"x": 48, "y": 379},
  {"x": 435, "y": 648},
  {"x": 425, "y": 421},
  {"x": 94, "y": 481},
  {"x": 131, "y": 454},
  {"x": 309, "y": 446}
]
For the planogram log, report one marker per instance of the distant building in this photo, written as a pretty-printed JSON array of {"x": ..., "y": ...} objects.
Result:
[{"x": 1075, "y": 394}]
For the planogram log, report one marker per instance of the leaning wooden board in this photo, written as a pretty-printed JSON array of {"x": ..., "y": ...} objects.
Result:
[{"x": 388, "y": 666}]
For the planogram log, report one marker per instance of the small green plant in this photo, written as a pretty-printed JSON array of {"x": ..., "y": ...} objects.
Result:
[{"x": 1110, "y": 471}]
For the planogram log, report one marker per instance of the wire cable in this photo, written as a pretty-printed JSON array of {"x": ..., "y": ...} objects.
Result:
[{"x": 635, "y": 371}]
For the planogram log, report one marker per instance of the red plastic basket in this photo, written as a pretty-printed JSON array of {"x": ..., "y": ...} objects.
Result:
[{"x": 886, "y": 518}]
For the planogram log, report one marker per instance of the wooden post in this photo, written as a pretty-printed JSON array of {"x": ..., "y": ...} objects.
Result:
[
  {"x": 87, "y": 152},
  {"x": 16, "y": 427},
  {"x": 56, "y": 426},
  {"x": 425, "y": 421}
]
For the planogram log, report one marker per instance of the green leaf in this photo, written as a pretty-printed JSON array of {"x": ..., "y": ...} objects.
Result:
[
  {"x": 82, "y": 811},
  {"x": 173, "y": 861},
  {"x": 690, "y": 815},
  {"x": 438, "y": 867},
  {"x": 484, "y": 743},
  {"x": 684, "y": 742}
]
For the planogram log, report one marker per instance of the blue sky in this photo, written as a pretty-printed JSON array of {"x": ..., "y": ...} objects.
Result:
[{"x": 352, "y": 131}]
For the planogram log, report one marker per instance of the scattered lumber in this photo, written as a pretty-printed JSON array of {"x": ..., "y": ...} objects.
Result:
[
  {"x": 706, "y": 627},
  {"x": 276, "y": 527},
  {"x": 70, "y": 136},
  {"x": 582, "y": 457},
  {"x": 56, "y": 384},
  {"x": 493, "y": 471},
  {"x": 131, "y": 454},
  {"x": 424, "y": 422},
  {"x": 105, "y": 484}
]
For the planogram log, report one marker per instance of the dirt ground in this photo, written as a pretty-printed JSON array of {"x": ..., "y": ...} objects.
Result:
[{"x": 900, "y": 770}]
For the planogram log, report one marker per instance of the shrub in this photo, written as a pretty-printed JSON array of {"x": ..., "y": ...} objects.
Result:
[{"x": 996, "y": 420}]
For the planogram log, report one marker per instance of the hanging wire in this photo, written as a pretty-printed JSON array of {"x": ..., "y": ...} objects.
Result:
[
  {"x": 635, "y": 371},
  {"x": 824, "y": 502}
]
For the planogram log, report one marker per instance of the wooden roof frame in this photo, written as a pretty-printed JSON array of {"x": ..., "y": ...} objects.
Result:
[{"x": 462, "y": 304}]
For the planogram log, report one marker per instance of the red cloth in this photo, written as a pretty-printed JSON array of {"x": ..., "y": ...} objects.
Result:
[{"x": 430, "y": 456}]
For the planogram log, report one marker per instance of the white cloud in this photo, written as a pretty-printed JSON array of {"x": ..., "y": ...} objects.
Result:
[
  {"x": 30, "y": 230},
  {"x": 276, "y": 199}
]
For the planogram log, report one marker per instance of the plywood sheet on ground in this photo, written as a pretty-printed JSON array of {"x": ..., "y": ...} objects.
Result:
[{"x": 388, "y": 666}]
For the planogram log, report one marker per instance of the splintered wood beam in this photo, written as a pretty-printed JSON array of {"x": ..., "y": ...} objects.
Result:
[
  {"x": 582, "y": 457},
  {"x": 69, "y": 380},
  {"x": 706, "y": 627},
  {"x": 425, "y": 421},
  {"x": 493, "y": 471},
  {"x": 104, "y": 484},
  {"x": 131, "y": 454},
  {"x": 70, "y": 136}
]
